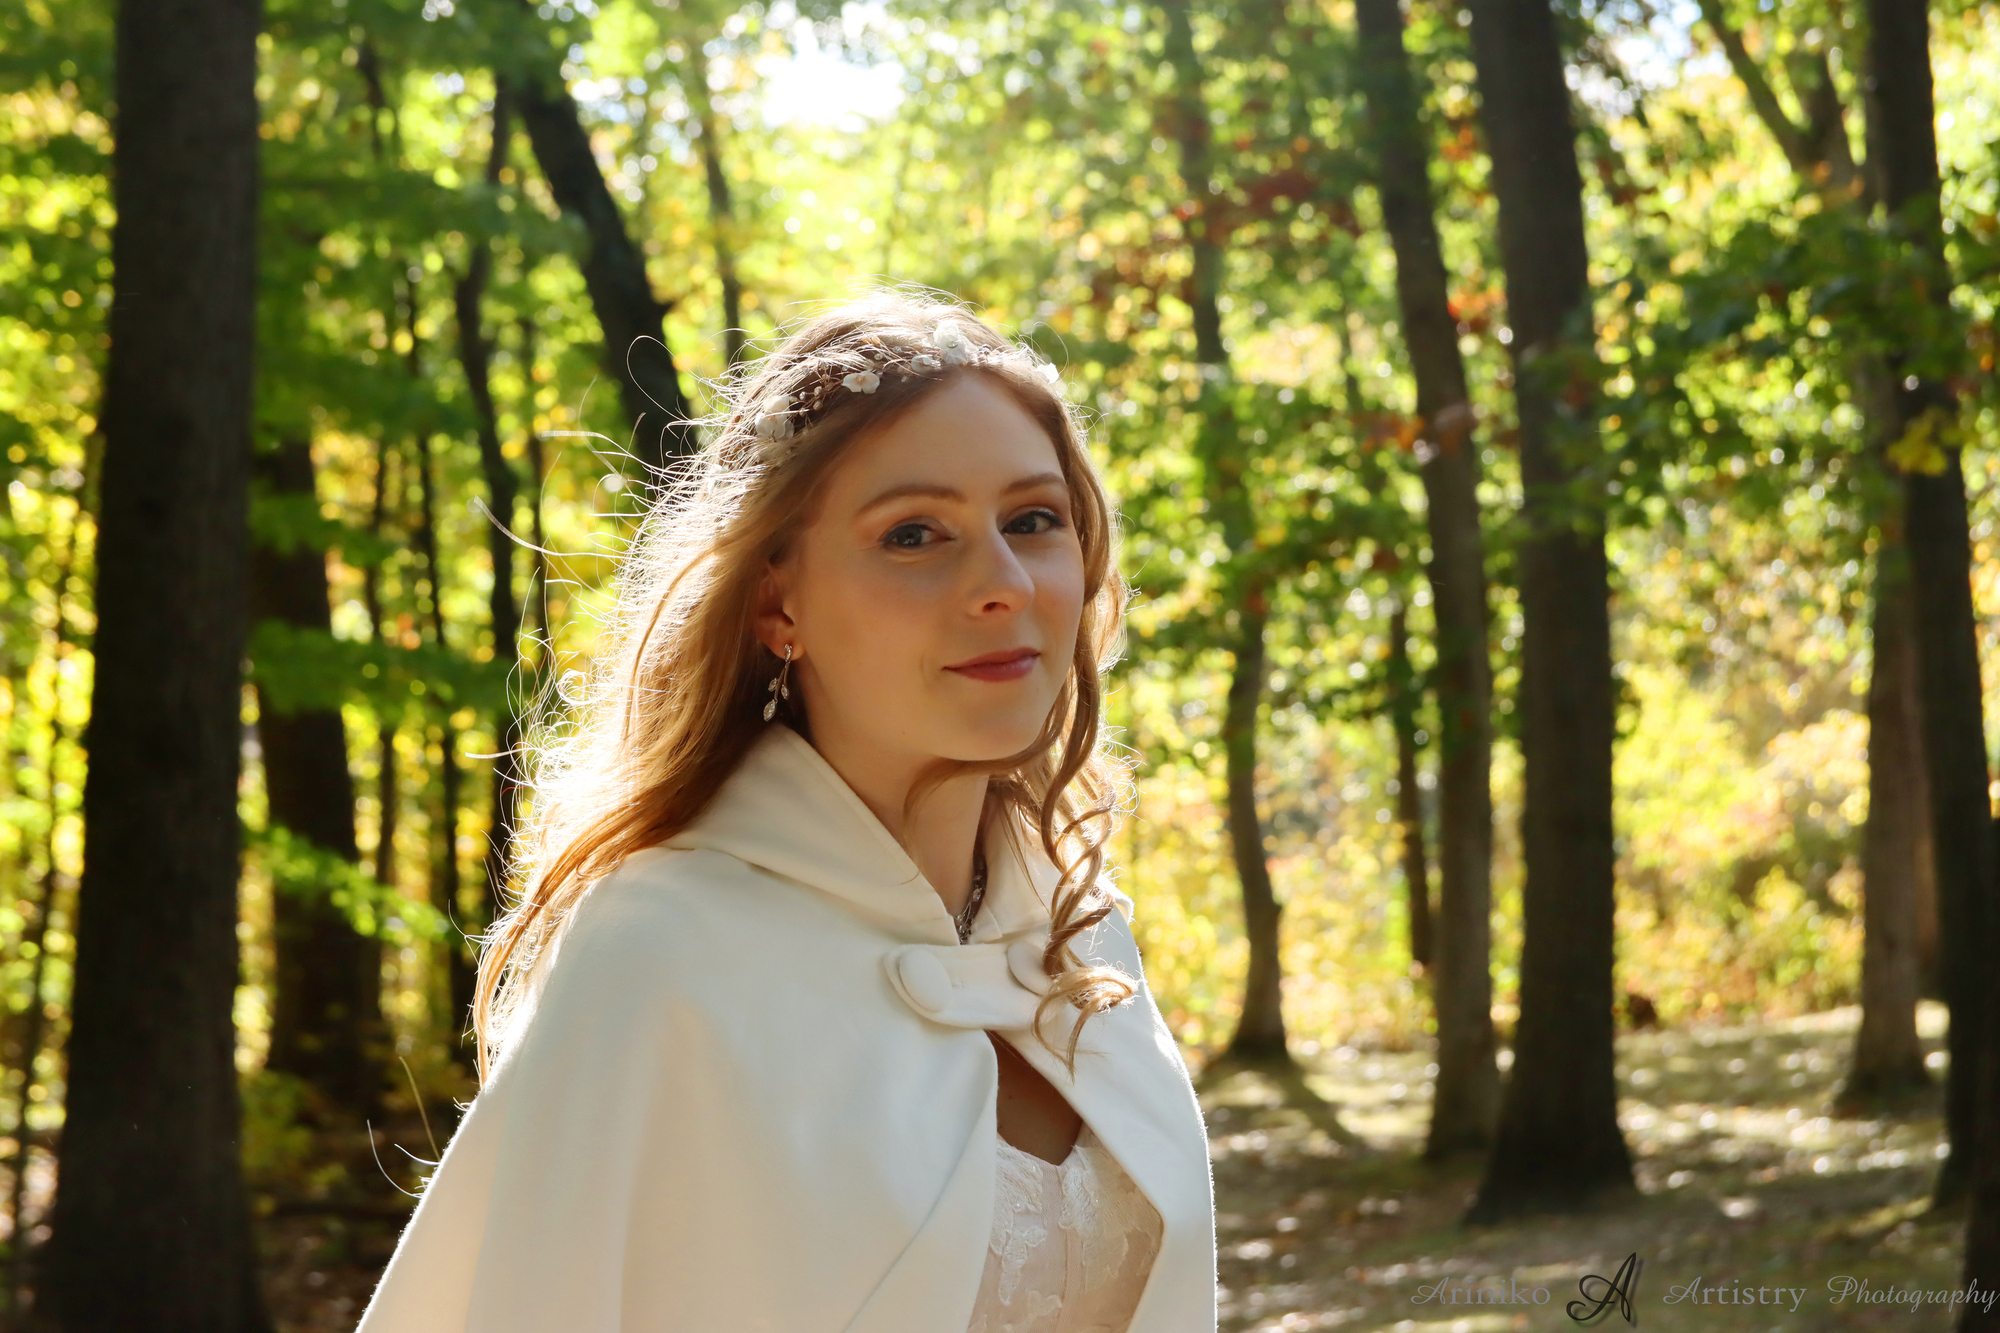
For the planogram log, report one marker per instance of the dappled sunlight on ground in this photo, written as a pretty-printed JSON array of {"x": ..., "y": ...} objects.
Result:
[{"x": 1749, "y": 1184}]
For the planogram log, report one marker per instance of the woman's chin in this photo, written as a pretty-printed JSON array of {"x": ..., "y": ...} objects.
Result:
[{"x": 983, "y": 740}]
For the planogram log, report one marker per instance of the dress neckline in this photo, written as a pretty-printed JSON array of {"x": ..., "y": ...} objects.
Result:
[{"x": 1076, "y": 1151}]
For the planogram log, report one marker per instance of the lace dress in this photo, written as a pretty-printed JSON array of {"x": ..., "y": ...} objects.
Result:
[{"x": 1071, "y": 1246}]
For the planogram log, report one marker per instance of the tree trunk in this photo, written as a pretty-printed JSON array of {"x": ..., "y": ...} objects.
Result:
[
  {"x": 1899, "y": 966},
  {"x": 1930, "y": 949},
  {"x": 150, "y": 1225},
  {"x": 1559, "y": 1146},
  {"x": 1405, "y": 696},
  {"x": 1888, "y": 1057},
  {"x": 447, "y": 879},
  {"x": 1260, "y": 1033},
  {"x": 614, "y": 273},
  {"x": 502, "y": 491},
  {"x": 535, "y": 615},
  {"x": 721, "y": 211},
  {"x": 326, "y": 1018},
  {"x": 35, "y": 1014},
  {"x": 1817, "y": 150},
  {"x": 386, "y": 798},
  {"x": 1899, "y": 877},
  {"x": 1982, "y": 1232},
  {"x": 445, "y": 882},
  {"x": 1905, "y": 139},
  {"x": 1467, "y": 1101}
]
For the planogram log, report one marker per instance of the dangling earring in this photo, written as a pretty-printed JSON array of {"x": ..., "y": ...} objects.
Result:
[{"x": 778, "y": 689}]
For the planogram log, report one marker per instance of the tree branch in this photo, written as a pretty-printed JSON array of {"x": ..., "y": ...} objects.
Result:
[{"x": 1791, "y": 138}]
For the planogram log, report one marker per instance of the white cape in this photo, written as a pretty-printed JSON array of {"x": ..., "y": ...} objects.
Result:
[{"x": 754, "y": 1094}]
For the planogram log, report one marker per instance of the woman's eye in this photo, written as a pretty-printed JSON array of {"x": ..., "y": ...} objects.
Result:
[
  {"x": 1037, "y": 521},
  {"x": 915, "y": 535},
  {"x": 905, "y": 536}
]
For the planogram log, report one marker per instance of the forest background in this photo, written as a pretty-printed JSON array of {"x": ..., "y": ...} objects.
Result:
[{"x": 470, "y": 211}]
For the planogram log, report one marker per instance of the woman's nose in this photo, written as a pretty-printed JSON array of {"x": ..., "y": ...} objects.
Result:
[{"x": 999, "y": 581}]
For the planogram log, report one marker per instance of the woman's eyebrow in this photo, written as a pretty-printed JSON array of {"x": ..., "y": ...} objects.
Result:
[{"x": 937, "y": 492}]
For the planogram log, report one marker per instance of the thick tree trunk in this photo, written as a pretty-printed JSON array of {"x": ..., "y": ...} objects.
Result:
[
  {"x": 1467, "y": 1101},
  {"x": 1930, "y": 949},
  {"x": 151, "y": 1230},
  {"x": 1260, "y": 1033},
  {"x": 1955, "y": 753},
  {"x": 1559, "y": 1146},
  {"x": 1902, "y": 964},
  {"x": 1888, "y": 1057},
  {"x": 614, "y": 273},
  {"x": 1406, "y": 695},
  {"x": 326, "y": 1019},
  {"x": 1905, "y": 157},
  {"x": 1982, "y": 1232}
]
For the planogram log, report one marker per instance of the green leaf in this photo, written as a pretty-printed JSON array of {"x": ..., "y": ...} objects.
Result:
[{"x": 303, "y": 869}]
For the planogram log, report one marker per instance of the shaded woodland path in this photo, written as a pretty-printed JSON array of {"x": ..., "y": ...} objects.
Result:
[{"x": 1747, "y": 1179}]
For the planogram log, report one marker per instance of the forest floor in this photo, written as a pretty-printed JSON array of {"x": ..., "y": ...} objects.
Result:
[{"x": 1749, "y": 1182}]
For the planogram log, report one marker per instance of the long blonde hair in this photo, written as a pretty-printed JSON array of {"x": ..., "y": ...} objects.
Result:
[{"x": 675, "y": 696}]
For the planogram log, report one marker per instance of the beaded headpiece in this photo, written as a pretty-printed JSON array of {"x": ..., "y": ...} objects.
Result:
[{"x": 861, "y": 366}]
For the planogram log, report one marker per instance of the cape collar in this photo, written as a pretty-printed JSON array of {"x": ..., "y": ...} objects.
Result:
[{"x": 790, "y": 813}]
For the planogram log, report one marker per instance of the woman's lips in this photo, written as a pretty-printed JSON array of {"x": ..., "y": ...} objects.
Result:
[{"x": 999, "y": 666}]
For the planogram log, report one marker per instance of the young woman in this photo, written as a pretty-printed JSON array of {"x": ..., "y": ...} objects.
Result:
[{"x": 817, "y": 1012}]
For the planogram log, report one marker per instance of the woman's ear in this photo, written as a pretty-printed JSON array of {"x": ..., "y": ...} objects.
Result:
[{"x": 772, "y": 624}]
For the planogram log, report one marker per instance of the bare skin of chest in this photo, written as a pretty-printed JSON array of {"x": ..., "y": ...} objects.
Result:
[{"x": 1034, "y": 1117}]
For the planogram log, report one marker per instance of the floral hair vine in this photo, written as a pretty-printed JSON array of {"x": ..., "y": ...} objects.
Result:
[{"x": 778, "y": 415}]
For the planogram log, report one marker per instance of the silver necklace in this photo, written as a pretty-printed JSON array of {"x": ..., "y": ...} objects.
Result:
[{"x": 972, "y": 900}]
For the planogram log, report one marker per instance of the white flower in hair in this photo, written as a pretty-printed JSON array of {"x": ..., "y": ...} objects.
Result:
[
  {"x": 861, "y": 381},
  {"x": 951, "y": 343},
  {"x": 924, "y": 361},
  {"x": 1047, "y": 371},
  {"x": 774, "y": 418}
]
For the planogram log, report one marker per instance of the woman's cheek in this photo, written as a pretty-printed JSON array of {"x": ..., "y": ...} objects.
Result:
[
  {"x": 905, "y": 590},
  {"x": 889, "y": 628},
  {"x": 1059, "y": 585}
]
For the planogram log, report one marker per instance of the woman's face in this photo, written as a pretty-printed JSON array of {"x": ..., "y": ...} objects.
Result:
[{"x": 933, "y": 602}]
